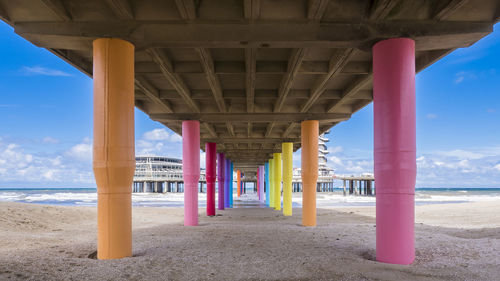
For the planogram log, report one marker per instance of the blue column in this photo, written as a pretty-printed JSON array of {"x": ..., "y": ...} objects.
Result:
[
  {"x": 226, "y": 184},
  {"x": 267, "y": 183}
]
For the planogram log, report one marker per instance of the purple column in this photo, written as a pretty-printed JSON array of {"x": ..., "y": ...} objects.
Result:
[
  {"x": 210, "y": 160},
  {"x": 191, "y": 170},
  {"x": 395, "y": 148},
  {"x": 220, "y": 178}
]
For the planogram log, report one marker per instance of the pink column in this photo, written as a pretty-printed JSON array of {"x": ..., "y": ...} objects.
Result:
[
  {"x": 191, "y": 170},
  {"x": 221, "y": 172},
  {"x": 210, "y": 160},
  {"x": 258, "y": 183},
  {"x": 395, "y": 148}
]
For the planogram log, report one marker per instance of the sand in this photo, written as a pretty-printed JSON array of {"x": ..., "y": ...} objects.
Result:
[{"x": 453, "y": 241}]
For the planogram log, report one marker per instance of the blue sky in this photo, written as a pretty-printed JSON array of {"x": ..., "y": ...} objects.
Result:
[{"x": 46, "y": 121}]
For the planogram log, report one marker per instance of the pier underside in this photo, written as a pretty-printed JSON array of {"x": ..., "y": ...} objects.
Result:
[{"x": 250, "y": 71}]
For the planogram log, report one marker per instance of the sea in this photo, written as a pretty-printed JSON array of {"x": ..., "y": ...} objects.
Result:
[{"x": 88, "y": 197}]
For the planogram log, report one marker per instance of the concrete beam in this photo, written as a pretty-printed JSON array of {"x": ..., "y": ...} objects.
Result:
[
  {"x": 250, "y": 117},
  {"x": 144, "y": 34}
]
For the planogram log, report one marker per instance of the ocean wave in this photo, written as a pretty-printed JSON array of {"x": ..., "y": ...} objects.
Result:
[{"x": 177, "y": 199}]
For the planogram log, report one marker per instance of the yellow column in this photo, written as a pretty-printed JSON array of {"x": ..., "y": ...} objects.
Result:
[
  {"x": 113, "y": 151},
  {"x": 309, "y": 140},
  {"x": 271, "y": 185},
  {"x": 277, "y": 181},
  {"x": 287, "y": 150}
]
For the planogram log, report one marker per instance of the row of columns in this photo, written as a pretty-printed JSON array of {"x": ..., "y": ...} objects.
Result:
[{"x": 394, "y": 152}]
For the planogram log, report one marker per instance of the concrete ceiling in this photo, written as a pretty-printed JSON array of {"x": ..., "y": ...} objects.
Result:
[{"x": 251, "y": 70}]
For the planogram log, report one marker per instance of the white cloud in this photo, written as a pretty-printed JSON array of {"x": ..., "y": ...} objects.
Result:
[
  {"x": 472, "y": 167},
  {"x": 461, "y": 154},
  {"x": 497, "y": 167},
  {"x": 50, "y": 140},
  {"x": 459, "y": 79},
  {"x": 431, "y": 116},
  {"x": 156, "y": 135},
  {"x": 31, "y": 169},
  {"x": 335, "y": 149},
  {"x": 161, "y": 142},
  {"x": 38, "y": 70},
  {"x": 81, "y": 151}
]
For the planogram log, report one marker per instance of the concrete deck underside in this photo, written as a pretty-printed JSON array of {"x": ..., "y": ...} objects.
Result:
[{"x": 250, "y": 71}]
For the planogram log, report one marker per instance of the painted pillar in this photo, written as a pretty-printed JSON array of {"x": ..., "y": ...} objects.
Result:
[
  {"x": 277, "y": 181},
  {"x": 394, "y": 148},
  {"x": 258, "y": 183},
  {"x": 287, "y": 149},
  {"x": 191, "y": 170},
  {"x": 227, "y": 203},
  {"x": 231, "y": 186},
  {"x": 113, "y": 149},
  {"x": 238, "y": 182},
  {"x": 211, "y": 165},
  {"x": 309, "y": 139},
  {"x": 267, "y": 183},
  {"x": 271, "y": 178},
  {"x": 221, "y": 175},
  {"x": 262, "y": 181}
]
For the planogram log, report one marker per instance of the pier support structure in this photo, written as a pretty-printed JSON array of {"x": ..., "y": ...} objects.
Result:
[
  {"x": 394, "y": 148},
  {"x": 287, "y": 150},
  {"x": 238, "y": 182},
  {"x": 309, "y": 168},
  {"x": 210, "y": 175},
  {"x": 191, "y": 170},
  {"x": 231, "y": 186},
  {"x": 267, "y": 183},
  {"x": 262, "y": 179},
  {"x": 221, "y": 174},
  {"x": 271, "y": 179},
  {"x": 277, "y": 181},
  {"x": 227, "y": 201},
  {"x": 113, "y": 148}
]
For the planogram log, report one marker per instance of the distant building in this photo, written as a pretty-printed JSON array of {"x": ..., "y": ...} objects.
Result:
[
  {"x": 159, "y": 174},
  {"x": 325, "y": 173},
  {"x": 323, "y": 169}
]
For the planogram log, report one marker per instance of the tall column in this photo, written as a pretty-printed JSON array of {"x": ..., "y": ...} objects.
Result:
[
  {"x": 231, "y": 186},
  {"x": 271, "y": 178},
  {"x": 309, "y": 139},
  {"x": 267, "y": 183},
  {"x": 258, "y": 183},
  {"x": 227, "y": 203},
  {"x": 191, "y": 170},
  {"x": 221, "y": 176},
  {"x": 262, "y": 182},
  {"x": 277, "y": 181},
  {"x": 113, "y": 150},
  {"x": 238, "y": 182},
  {"x": 394, "y": 148},
  {"x": 287, "y": 149},
  {"x": 210, "y": 174}
]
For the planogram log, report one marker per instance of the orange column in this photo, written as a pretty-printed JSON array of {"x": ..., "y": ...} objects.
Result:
[
  {"x": 309, "y": 139},
  {"x": 238, "y": 182},
  {"x": 113, "y": 152}
]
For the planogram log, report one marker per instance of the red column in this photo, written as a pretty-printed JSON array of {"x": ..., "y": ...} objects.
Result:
[
  {"x": 394, "y": 148},
  {"x": 191, "y": 170},
  {"x": 210, "y": 160}
]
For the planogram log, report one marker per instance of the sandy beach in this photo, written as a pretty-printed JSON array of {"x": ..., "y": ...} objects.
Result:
[{"x": 453, "y": 242}]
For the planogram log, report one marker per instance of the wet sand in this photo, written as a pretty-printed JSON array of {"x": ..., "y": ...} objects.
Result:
[{"x": 454, "y": 242}]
